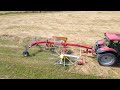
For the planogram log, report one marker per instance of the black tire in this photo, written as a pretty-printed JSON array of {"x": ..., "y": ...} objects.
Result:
[
  {"x": 96, "y": 48},
  {"x": 25, "y": 53},
  {"x": 106, "y": 59}
]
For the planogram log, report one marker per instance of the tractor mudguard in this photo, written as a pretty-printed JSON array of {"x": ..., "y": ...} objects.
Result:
[
  {"x": 100, "y": 42},
  {"x": 98, "y": 45},
  {"x": 106, "y": 49}
]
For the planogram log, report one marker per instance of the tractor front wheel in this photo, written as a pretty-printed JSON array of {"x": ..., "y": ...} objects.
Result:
[{"x": 106, "y": 59}]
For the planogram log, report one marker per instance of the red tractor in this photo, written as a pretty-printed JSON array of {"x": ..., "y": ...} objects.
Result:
[{"x": 108, "y": 49}]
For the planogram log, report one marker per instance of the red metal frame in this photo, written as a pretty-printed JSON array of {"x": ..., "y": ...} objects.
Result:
[
  {"x": 100, "y": 42},
  {"x": 64, "y": 44},
  {"x": 105, "y": 48}
]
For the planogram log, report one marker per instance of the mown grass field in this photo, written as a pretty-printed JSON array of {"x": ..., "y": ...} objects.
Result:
[
  {"x": 79, "y": 26},
  {"x": 37, "y": 66}
]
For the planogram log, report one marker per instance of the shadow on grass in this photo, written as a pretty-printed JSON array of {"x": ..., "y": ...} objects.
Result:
[
  {"x": 93, "y": 56},
  {"x": 37, "y": 52},
  {"x": 62, "y": 67},
  {"x": 117, "y": 65}
]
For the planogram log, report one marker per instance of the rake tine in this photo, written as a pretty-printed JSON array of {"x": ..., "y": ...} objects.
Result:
[
  {"x": 64, "y": 62},
  {"x": 26, "y": 48},
  {"x": 69, "y": 60},
  {"x": 54, "y": 55},
  {"x": 57, "y": 52}
]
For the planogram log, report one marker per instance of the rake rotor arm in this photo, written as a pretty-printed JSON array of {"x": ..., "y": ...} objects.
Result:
[
  {"x": 44, "y": 42},
  {"x": 39, "y": 42},
  {"x": 63, "y": 44},
  {"x": 79, "y": 45}
]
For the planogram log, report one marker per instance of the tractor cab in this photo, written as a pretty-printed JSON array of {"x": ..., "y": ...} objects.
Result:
[
  {"x": 108, "y": 49},
  {"x": 112, "y": 40}
]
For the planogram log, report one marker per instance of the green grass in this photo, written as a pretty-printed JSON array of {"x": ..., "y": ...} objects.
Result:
[
  {"x": 21, "y": 12},
  {"x": 37, "y": 66},
  {"x": 25, "y": 71}
]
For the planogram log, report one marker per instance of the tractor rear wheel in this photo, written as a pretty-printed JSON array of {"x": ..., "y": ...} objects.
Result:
[{"x": 106, "y": 59}]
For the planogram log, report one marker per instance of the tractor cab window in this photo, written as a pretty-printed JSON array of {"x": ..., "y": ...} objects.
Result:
[
  {"x": 116, "y": 45},
  {"x": 115, "y": 42}
]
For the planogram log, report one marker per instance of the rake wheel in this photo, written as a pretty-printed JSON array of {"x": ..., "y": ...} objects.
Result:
[
  {"x": 25, "y": 53},
  {"x": 66, "y": 57}
]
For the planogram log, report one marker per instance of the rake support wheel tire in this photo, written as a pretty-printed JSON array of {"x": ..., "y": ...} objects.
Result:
[
  {"x": 106, "y": 59},
  {"x": 25, "y": 53}
]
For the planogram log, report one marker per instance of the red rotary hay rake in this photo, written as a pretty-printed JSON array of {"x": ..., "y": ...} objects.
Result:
[{"x": 59, "y": 46}]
